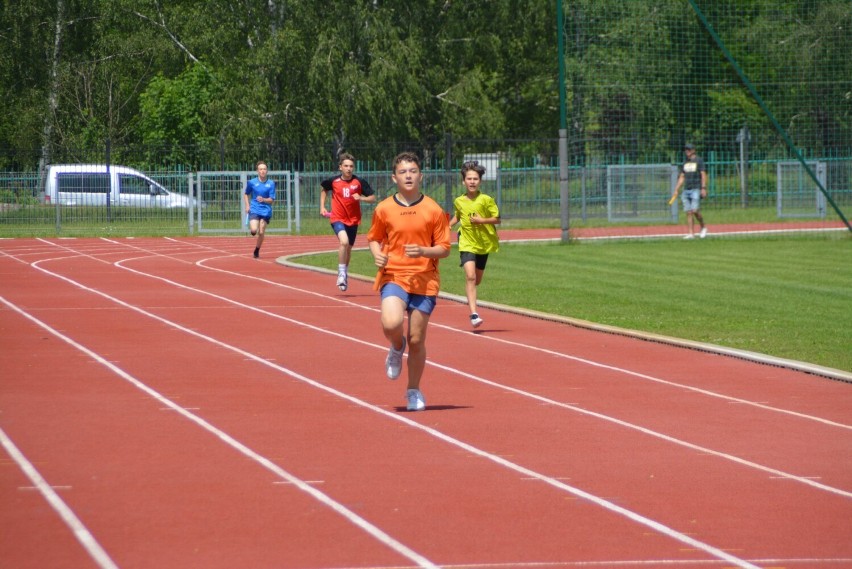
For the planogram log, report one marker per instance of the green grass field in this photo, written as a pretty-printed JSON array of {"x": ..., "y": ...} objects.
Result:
[{"x": 788, "y": 297}]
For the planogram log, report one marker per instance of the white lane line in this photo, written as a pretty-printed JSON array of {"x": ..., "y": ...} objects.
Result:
[
  {"x": 305, "y": 487},
  {"x": 774, "y": 473},
  {"x": 554, "y": 353},
  {"x": 543, "y": 400},
  {"x": 86, "y": 539},
  {"x": 379, "y": 534}
]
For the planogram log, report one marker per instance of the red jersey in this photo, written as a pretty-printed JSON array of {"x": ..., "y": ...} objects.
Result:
[
  {"x": 395, "y": 225},
  {"x": 344, "y": 208}
]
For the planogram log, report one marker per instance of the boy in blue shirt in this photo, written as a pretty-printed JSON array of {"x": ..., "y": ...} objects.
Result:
[{"x": 258, "y": 198}]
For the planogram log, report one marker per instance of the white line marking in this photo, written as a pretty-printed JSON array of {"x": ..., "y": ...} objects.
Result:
[
  {"x": 534, "y": 348},
  {"x": 772, "y": 471},
  {"x": 544, "y": 400},
  {"x": 332, "y": 504},
  {"x": 351, "y": 516},
  {"x": 89, "y": 543}
]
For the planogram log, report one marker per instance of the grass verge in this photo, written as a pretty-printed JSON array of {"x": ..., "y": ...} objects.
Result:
[{"x": 786, "y": 297}]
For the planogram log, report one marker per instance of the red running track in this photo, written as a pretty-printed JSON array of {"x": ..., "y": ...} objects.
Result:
[{"x": 174, "y": 403}]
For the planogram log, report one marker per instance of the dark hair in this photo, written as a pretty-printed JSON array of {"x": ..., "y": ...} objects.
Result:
[
  {"x": 344, "y": 156},
  {"x": 406, "y": 157},
  {"x": 259, "y": 162},
  {"x": 472, "y": 165}
]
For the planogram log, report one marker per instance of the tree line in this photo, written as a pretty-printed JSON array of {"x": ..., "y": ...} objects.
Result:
[{"x": 641, "y": 75}]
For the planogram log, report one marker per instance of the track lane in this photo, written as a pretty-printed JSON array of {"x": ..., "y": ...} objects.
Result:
[{"x": 134, "y": 289}]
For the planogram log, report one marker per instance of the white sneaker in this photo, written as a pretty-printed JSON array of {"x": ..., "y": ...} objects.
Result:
[
  {"x": 393, "y": 363},
  {"x": 689, "y": 236},
  {"x": 342, "y": 281},
  {"x": 416, "y": 402},
  {"x": 475, "y": 320},
  {"x": 703, "y": 232}
]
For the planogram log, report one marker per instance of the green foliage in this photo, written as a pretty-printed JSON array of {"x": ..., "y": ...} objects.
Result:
[
  {"x": 641, "y": 76},
  {"x": 175, "y": 110}
]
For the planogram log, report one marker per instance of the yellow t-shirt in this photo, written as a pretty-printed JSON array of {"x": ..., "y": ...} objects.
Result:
[
  {"x": 481, "y": 238},
  {"x": 395, "y": 225}
]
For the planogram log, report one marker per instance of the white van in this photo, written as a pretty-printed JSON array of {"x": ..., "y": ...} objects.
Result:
[{"x": 92, "y": 184}]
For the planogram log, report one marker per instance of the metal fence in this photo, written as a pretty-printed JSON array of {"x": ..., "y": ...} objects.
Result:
[{"x": 599, "y": 194}]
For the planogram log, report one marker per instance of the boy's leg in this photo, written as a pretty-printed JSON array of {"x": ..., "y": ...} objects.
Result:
[
  {"x": 344, "y": 252},
  {"x": 470, "y": 282},
  {"x": 343, "y": 249},
  {"x": 254, "y": 229},
  {"x": 393, "y": 317},
  {"x": 261, "y": 232},
  {"x": 418, "y": 323}
]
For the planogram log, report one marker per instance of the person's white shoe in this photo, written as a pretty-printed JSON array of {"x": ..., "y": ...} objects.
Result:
[
  {"x": 393, "y": 363},
  {"x": 703, "y": 232},
  {"x": 475, "y": 320},
  {"x": 416, "y": 402},
  {"x": 342, "y": 281},
  {"x": 689, "y": 236}
]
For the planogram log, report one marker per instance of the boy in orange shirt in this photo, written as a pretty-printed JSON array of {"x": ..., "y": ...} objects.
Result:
[{"x": 408, "y": 236}]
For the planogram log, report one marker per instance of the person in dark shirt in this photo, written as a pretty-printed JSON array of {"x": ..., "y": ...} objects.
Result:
[{"x": 693, "y": 176}]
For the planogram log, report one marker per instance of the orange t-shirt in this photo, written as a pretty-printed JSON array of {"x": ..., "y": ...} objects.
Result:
[{"x": 396, "y": 225}]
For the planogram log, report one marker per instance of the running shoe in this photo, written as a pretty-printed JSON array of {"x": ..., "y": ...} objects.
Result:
[
  {"x": 689, "y": 236},
  {"x": 256, "y": 252},
  {"x": 393, "y": 363},
  {"x": 703, "y": 232},
  {"x": 416, "y": 402},
  {"x": 475, "y": 320},
  {"x": 342, "y": 281}
]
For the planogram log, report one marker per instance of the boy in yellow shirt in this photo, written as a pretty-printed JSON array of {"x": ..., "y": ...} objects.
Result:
[{"x": 478, "y": 215}]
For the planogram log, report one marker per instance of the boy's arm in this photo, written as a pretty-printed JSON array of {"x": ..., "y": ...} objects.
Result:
[
  {"x": 379, "y": 257},
  {"x": 440, "y": 239},
  {"x": 485, "y": 220},
  {"x": 323, "y": 196},
  {"x": 434, "y": 252}
]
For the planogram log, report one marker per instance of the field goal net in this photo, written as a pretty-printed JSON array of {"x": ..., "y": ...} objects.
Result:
[
  {"x": 221, "y": 210},
  {"x": 640, "y": 192},
  {"x": 798, "y": 194}
]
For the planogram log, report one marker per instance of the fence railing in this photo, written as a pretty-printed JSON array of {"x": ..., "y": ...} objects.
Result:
[{"x": 599, "y": 195}]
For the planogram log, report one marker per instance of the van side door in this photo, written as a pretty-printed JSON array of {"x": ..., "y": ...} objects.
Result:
[
  {"x": 135, "y": 191},
  {"x": 142, "y": 191}
]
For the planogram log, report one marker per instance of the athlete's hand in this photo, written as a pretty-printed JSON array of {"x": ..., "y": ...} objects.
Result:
[
  {"x": 413, "y": 250},
  {"x": 380, "y": 259}
]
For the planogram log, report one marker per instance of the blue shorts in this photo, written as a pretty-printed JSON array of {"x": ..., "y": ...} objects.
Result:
[
  {"x": 258, "y": 217},
  {"x": 421, "y": 302},
  {"x": 351, "y": 230},
  {"x": 691, "y": 200}
]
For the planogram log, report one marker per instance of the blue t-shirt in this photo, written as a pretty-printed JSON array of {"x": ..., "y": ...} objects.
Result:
[{"x": 255, "y": 188}]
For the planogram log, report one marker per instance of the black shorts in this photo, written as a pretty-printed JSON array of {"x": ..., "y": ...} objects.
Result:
[{"x": 480, "y": 260}]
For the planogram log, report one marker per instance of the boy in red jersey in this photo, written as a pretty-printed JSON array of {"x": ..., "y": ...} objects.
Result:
[
  {"x": 347, "y": 192},
  {"x": 408, "y": 236}
]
